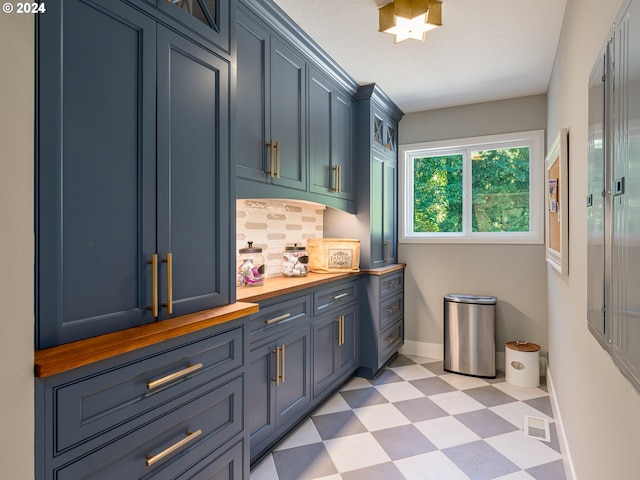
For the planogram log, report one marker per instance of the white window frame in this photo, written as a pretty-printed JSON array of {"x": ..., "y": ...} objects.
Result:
[{"x": 534, "y": 139}]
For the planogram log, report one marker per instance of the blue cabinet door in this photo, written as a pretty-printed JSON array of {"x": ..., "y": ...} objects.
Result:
[
  {"x": 194, "y": 218},
  {"x": 133, "y": 161},
  {"x": 271, "y": 110},
  {"x": 288, "y": 114},
  {"x": 95, "y": 169},
  {"x": 330, "y": 120},
  {"x": 252, "y": 103}
]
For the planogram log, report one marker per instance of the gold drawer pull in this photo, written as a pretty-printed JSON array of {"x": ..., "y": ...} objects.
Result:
[
  {"x": 277, "y": 319},
  {"x": 391, "y": 284},
  {"x": 191, "y": 436},
  {"x": 342, "y": 295},
  {"x": 184, "y": 372},
  {"x": 393, "y": 339},
  {"x": 395, "y": 308}
]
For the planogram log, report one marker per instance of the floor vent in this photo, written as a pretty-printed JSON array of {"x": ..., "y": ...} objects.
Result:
[{"x": 537, "y": 428}]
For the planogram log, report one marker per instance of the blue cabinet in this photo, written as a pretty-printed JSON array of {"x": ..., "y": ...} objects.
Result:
[
  {"x": 271, "y": 137},
  {"x": 335, "y": 348},
  {"x": 153, "y": 413},
  {"x": 209, "y": 21},
  {"x": 303, "y": 345},
  {"x": 295, "y": 114},
  {"x": 376, "y": 184},
  {"x": 279, "y": 373},
  {"x": 331, "y": 116},
  {"x": 133, "y": 165},
  {"x": 382, "y": 311}
]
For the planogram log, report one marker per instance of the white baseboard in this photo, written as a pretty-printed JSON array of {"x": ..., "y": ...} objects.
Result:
[
  {"x": 569, "y": 470},
  {"x": 423, "y": 349}
]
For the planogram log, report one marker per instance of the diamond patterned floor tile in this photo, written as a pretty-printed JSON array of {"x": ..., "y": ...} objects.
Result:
[{"x": 415, "y": 421}]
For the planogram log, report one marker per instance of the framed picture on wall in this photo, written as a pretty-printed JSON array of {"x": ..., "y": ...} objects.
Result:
[{"x": 557, "y": 203}]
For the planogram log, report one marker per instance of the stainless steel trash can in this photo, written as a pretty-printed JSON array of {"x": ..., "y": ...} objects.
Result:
[{"x": 469, "y": 335}]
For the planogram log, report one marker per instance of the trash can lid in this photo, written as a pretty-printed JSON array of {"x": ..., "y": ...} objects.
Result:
[
  {"x": 521, "y": 346},
  {"x": 464, "y": 298}
]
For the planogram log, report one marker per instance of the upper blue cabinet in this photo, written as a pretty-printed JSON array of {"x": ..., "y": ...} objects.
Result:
[
  {"x": 133, "y": 218},
  {"x": 271, "y": 135},
  {"x": 208, "y": 20},
  {"x": 295, "y": 113},
  {"x": 331, "y": 117}
]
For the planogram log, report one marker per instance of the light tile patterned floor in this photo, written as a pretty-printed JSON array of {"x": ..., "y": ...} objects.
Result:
[{"x": 416, "y": 421}]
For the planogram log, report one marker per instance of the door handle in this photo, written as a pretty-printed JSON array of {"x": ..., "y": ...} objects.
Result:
[
  {"x": 169, "y": 262},
  {"x": 154, "y": 285}
]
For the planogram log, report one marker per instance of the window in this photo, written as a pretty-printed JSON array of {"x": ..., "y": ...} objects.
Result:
[{"x": 473, "y": 190}]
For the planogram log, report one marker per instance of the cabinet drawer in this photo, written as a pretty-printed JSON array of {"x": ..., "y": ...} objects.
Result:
[
  {"x": 278, "y": 317},
  {"x": 109, "y": 399},
  {"x": 335, "y": 296},
  {"x": 391, "y": 283},
  {"x": 228, "y": 466},
  {"x": 171, "y": 443},
  {"x": 390, "y": 310},
  {"x": 390, "y": 341}
]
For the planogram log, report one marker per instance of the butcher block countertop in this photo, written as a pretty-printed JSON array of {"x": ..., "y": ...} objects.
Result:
[
  {"x": 275, "y": 286},
  {"x": 72, "y": 355}
]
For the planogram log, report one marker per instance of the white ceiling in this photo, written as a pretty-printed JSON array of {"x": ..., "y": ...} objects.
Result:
[{"x": 486, "y": 49}]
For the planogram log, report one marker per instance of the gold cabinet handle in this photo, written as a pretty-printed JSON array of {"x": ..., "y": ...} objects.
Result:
[
  {"x": 342, "y": 295},
  {"x": 336, "y": 170},
  {"x": 395, "y": 308},
  {"x": 339, "y": 339},
  {"x": 339, "y": 179},
  {"x": 283, "y": 364},
  {"x": 191, "y": 436},
  {"x": 387, "y": 245},
  {"x": 277, "y": 379},
  {"x": 154, "y": 284},
  {"x": 278, "y": 319},
  {"x": 272, "y": 146},
  {"x": 393, "y": 339},
  {"x": 391, "y": 284},
  {"x": 169, "y": 262},
  {"x": 278, "y": 159},
  {"x": 151, "y": 384},
  {"x": 342, "y": 335}
]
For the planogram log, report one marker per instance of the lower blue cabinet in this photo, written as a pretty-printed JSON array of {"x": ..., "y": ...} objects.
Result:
[
  {"x": 298, "y": 357},
  {"x": 335, "y": 348},
  {"x": 279, "y": 383},
  {"x": 174, "y": 410}
]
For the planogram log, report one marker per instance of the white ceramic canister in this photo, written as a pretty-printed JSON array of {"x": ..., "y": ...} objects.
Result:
[
  {"x": 522, "y": 364},
  {"x": 295, "y": 261}
]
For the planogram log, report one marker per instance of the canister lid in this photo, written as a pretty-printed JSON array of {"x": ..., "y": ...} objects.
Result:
[
  {"x": 295, "y": 248},
  {"x": 464, "y": 298},
  {"x": 250, "y": 249},
  {"x": 521, "y": 346}
]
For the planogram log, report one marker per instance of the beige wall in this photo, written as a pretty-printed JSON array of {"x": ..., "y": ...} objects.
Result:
[
  {"x": 516, "y": 274},
  {"x": 16, "y": 242},
  {"x": 599, "y": 408}
]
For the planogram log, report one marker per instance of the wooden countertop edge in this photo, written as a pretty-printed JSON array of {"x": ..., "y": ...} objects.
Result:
[
  {"x": 62, "y": 358},
  {"x": 280, "y": 285},
  {"x": 386, "y": 269}
]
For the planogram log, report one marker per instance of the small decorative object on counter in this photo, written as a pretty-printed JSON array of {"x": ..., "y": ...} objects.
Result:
[
  {"x": 295, "y": 261},
  {"x": 250, "y": 271},
  {"x": 333, "y": 255}
]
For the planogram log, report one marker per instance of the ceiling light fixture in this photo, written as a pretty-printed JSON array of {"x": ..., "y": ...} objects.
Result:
[{"x": 410, "y": 18}]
